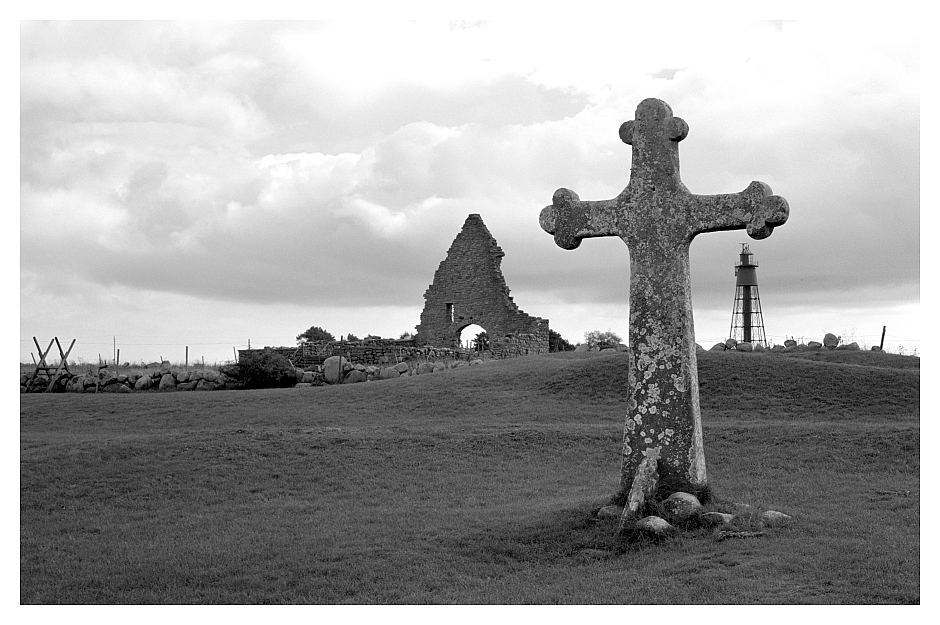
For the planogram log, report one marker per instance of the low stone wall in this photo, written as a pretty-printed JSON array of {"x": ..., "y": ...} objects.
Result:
[
  {"x": 830, "y": 341},
  {"x": 106, "y": 381}
]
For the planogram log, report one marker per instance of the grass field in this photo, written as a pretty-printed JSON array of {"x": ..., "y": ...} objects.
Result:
[{"x": 475, "y": 485}]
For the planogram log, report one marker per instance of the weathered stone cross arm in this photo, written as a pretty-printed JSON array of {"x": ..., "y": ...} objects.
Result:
[
  {"x": 755, "y": 209},
  {"x": 570, "y": 220}
]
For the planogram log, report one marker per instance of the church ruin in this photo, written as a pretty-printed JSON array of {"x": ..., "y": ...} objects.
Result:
[{"x": 469, "y": 288}]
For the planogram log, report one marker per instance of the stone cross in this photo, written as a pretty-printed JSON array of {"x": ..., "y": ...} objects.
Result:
[{"x": 657, "y": 217}]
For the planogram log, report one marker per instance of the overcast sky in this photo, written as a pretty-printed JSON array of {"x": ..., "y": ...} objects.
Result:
[{"x": 204, "y": 184}]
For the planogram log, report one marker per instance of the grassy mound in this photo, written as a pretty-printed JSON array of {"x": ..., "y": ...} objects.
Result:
[{"x": 475, "y": 485}]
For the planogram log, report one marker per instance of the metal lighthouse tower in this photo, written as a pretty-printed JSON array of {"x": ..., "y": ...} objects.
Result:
[{"x": 747, "y": 322}]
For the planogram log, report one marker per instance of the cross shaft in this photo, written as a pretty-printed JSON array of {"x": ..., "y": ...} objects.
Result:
[{"x": 657, "y": 217}]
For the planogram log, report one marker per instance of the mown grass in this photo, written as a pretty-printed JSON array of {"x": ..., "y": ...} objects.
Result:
[{"x": 476, "y": 485}]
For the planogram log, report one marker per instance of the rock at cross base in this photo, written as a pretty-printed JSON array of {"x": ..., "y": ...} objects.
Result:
[{"x": 657, "y": 217}]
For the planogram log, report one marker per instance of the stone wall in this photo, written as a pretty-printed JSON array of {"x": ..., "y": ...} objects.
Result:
[{"x": 469, "y": 288}]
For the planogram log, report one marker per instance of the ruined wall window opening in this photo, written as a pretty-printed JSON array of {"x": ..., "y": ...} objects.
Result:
[{"x": 450, "y": 311}]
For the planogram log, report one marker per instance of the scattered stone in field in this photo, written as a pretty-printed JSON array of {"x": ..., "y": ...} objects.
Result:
[
  {"x": 831, "y": 340},
  {"x": 654, "y": 525},
  {"x": 730, "y": 344},
  {"x": 773, "y": 518},
  {"x": 355, "y": 376},
  {"x": 851, "y": 346},
  {"x": 144, "y": 383},
  {"x": 777, "y": 348},
  {"x": 402, "y": 367},
  {"x": 425, "y": 367},
  {"x": 680, "y": 507},
  {"x": 610, "y": 512},
  {"x": 876, "y": 348},
  {"x": 388, "y": 373},
  {"x": 334, "y": 367},
  {"x": 167, "y": 382},
  {"x": 814, "y": 345},
  {"x": 789, "y": 343},
  {"x": 716, "y": 518},
  {"x": 744, "y": 347}
]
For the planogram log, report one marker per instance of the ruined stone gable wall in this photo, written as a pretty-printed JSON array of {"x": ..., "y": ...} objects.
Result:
[{"x": 469, "y": 288}]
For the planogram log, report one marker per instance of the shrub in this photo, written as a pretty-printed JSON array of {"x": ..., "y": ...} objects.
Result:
[
  {"x": 314, "y": 333},
  {"x": 266, "y": 369},
  {"x": 602, "y": 340}
]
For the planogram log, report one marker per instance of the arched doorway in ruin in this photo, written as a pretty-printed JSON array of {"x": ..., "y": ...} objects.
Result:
[{"x": 467, "y": 336}]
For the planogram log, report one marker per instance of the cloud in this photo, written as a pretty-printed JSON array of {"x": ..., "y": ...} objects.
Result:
[{"x": 331, "y": 164}]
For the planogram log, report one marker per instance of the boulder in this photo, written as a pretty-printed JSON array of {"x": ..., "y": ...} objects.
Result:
[
  {"x": 355, "y": 376},
  {"x": 759, "y": 347},
  {"x": 772, "y": 518},
  {"x": 851, "y": 346},
  {"x": 388, "y": 373},
  {"x": 309, "y": 378},
  {"x": 730, "y": 343},
  {"x": 583, "y": 347},
  {"x": 814, "y": 345},
  {"x": 167, "y": 382},
  {"x": 186, "y": 386},
  {"x": 206, "y": 385},
  {"x": 655, "y": 526},
  {"x": 211, "y": 376},
  {"x": 717, "y": 347},
  {"x": 299, "y": 374},
  {"x": 75, "y": 385},
  {"x": 115, "y": 388},
  {"x": 109, "y": 379},
  {"x": 789, "y": 343},
  {"x": 425, "y": 367},
  {"x": 182, "y": 377},
  {"x": 744, "y": 347},
  {"x": 777, "y": 348},
  {"x": 402, "y": 367},
  {"x": 439, "y": 366},
  {"x": 716, "y": 518},
  {"x": 679, "y": 507},
  {"x": 143, "y": 383},
  {"x": 876, "y": 348},
  {"x": 303, "y": 385},
  {"x": 831, "y": 340},
  {"x": 333, "y": 368}
]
